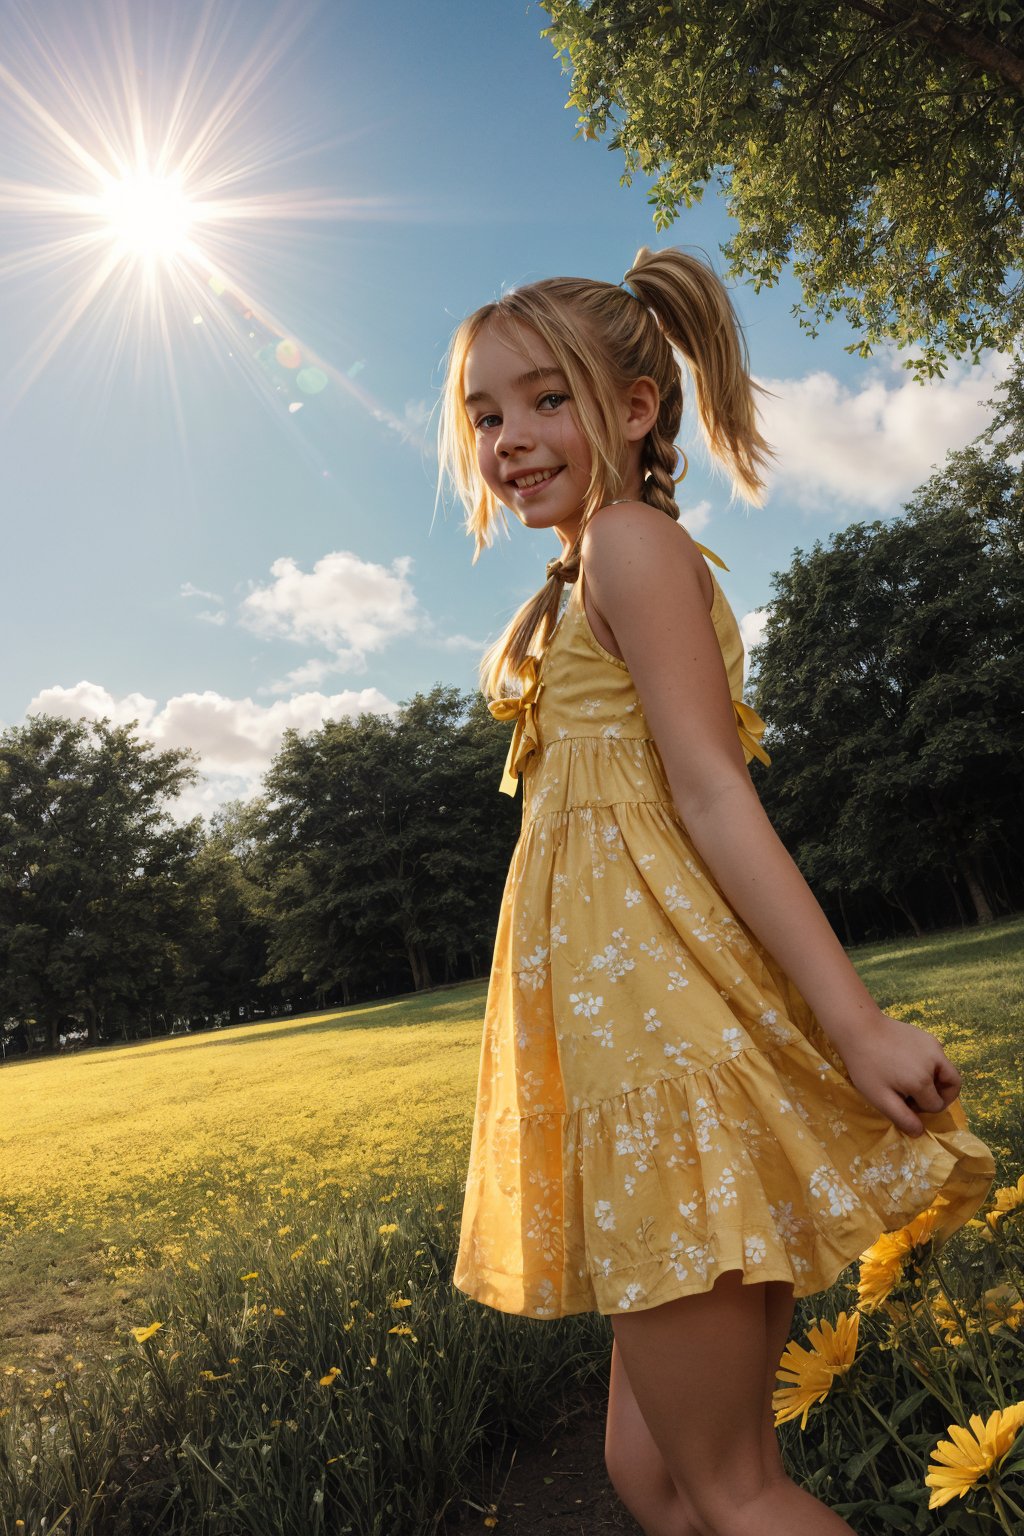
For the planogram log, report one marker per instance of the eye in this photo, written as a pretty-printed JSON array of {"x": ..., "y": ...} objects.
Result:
[
  {"x": 482, "y": 421},
  {"x": 557, "y": 398}
]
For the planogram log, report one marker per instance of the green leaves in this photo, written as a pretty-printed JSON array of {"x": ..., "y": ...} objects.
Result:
[
  {"x": 891, "y": 678},
  {"x": 880, "y": 151}
]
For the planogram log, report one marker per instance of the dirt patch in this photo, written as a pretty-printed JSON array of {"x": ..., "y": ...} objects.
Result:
[{"x": 553, "y": 1486}]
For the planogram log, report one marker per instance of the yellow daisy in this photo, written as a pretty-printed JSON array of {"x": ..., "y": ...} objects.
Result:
[
  {"x": 958, "y": 1464},
  {"x": 812, "y": 1371},
  {"x": 883, "y": 1265}
]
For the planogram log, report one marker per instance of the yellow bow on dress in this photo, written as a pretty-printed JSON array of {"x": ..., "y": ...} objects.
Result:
[
  {"x": 751, "y": 729},
  {"x": 522, "y": 710}
]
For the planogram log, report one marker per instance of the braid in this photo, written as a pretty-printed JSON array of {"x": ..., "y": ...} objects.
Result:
[{"x": 659, "y": 460}]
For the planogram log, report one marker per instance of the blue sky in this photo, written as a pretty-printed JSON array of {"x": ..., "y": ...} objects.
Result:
[{"x": 183, "y": 548}]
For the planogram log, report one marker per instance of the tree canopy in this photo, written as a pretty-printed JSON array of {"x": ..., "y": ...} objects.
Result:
[
  {"x": 891, "y": 675},
  {"x": 876, "y": 144}
]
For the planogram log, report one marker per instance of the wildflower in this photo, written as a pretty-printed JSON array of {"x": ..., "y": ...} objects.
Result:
[
  {"x": 401, "y": 1328},
  {"x": 328, "y": 1380},
  {"x": 957, "y": 1464},
  {"x": 253, "y": 1275},
  {"x": 812, "y": 1371},
  {"x": 883, "y": 1265},
  {"x": 1009, "y": 1198},
  {"x": 400, "y": 1301},
  {"x": 1002, "y": 1309},
  {"x": 142, "y": 1334},
  {"x": 946, "y": 1319},
  {"x": 388, "y": 1226}
]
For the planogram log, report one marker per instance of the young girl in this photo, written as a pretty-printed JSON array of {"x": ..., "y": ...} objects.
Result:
[{"x": 690, "y": 1109}]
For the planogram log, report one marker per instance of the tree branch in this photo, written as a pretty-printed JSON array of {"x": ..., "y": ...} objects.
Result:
[{"x": 981, "y": 51}]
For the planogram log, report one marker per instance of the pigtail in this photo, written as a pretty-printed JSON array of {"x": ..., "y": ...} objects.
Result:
[
  {"x": 603, "y": 336},
  {"x": 696, "y": 314}
]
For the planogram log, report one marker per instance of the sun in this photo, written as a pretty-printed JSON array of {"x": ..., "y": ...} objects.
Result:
[{"x": 148, "y": 216}]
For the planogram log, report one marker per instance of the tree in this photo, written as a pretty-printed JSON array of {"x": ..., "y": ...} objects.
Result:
[
  {"x": 876, "y": 143},
  {"x": 233, "y": 930},
  {"x": 384, "y": 844},
  {"x": 95, "y": 875},
  {"x": 892, "y": 677}
]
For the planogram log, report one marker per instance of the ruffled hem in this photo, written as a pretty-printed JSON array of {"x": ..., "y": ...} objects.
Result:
[{"x": 729, "y": 1162}]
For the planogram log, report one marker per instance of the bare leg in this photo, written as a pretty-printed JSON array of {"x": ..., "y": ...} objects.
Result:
[
  {"x": 635, "y": 1465},
  {"x": 699, "y": 1368}
]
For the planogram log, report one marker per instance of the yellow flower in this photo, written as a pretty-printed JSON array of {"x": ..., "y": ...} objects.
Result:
[
  {"x": 142, "y": 1334},
  {"x": 1007, "y": 1199},
  {"x": 812, "y": 1371},
  {"x": 401, "y": 1328},
  {"x": 388, "y": 1226},
  {"x": 252, "y": 1275},
  {"x": 882, "y": 1265},
  {"x": 1003, "y": 1307},
  {"x": 400, "y": 1301},
  {"x": 957, "y": 1464},
  {"x": 946, "y": 1318},
  {"x": 328, "y": 1380}
]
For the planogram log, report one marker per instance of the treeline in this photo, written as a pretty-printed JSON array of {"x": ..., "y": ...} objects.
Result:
[
  {"x": 891, "y": 675},
  {"x": 373, "y": 863}
]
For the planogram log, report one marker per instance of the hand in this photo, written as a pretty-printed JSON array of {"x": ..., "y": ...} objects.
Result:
[{"x": 900, "y": 1068}]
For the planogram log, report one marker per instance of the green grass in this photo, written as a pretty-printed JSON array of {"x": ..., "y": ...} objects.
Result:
[{"x": 231, "y": 1187}]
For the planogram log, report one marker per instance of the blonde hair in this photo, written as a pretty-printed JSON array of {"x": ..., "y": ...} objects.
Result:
[{"x": 603, "y": 338}]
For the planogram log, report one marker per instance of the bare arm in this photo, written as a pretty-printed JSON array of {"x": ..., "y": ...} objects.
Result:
[{"x": 645, "y": 578}]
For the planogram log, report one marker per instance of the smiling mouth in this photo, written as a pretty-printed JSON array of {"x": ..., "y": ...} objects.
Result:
[{"x": 527, "y": 482}]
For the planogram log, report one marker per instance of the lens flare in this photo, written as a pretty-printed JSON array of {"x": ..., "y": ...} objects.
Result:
[{"x": 148, "y": 153}]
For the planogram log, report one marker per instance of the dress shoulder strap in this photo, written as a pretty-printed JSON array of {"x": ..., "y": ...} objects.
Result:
[{"x": 710, "y": 554}]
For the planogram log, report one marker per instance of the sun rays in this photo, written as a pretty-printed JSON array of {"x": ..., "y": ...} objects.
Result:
[{"x": 148, "y": 197}]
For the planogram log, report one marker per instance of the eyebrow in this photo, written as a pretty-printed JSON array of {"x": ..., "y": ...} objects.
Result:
[{"x": 533, "y": 377}]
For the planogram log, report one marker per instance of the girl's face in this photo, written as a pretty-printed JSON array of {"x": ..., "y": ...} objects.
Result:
[{"x": 529, "y": 447}]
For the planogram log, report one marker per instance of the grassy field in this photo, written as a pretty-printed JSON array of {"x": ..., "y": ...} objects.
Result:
[
  {"x": 117, "y": 1160},
  {"x": 246, "y": 1237}
]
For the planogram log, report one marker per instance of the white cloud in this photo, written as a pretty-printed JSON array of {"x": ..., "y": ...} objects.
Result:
[
  {"x": 235, "y": 738},
  {"x": 870, "y": 447},
  {"x": 348, "y": 605},
  {"x": 188, "y": 590},
  {"x": 459, "y": 643},
  {"x": 695, "y": 519},
  {"x": 752, "y": 627},
  {"x": 208, "y": 617}
]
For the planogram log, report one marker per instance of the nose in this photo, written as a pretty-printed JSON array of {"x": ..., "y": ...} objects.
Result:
[{"x": 514, "y": 434}]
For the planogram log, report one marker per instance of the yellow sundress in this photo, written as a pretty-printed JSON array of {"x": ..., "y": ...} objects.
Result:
[{"x": 657, "y": 1104}]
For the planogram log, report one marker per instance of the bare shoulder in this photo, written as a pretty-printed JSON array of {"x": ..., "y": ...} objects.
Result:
[{"x": 633, "y": 542}]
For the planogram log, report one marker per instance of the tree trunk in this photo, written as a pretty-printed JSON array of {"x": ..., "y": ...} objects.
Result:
[
  {"x": 418, "y": 965},
  {"x": 901, "y": 906},
  {"x": 968, "y": 868},
  {"x": 956, "y": 897},
  {"x": 846, "y": 921}
]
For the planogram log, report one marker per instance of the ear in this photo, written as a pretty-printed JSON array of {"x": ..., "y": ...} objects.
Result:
[{"x": 641, "y": 404}]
